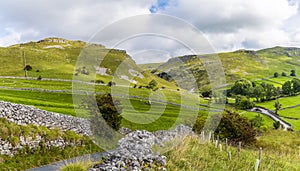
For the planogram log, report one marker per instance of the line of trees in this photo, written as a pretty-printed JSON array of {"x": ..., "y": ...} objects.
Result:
[{"x": 243, "y": 90}]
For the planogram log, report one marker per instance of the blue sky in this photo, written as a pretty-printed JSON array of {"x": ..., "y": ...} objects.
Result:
[{"x": 228, "y": 25}]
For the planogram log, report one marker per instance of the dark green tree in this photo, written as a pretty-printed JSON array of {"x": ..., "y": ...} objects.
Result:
[
  {"x": 257, "y": 121},
  {"x": 287, "y": 88},
  {"x": 277, "y": 106},
  {"x": 293, "y": 73},
  {"x": 283, "y": 74},
  {"x": 270, "y": 91},
  {"x": 234, "y": 127},
  {"x": 243, "y": 102},
  {"x": 276, "y": 74},
  {"x": 106, "y": 109},
  {"x": 296, "y": 85},
  {"x": 152, "y": 84},
  {"x": 241, "y": 87},
  {"x": 276, "y": 125}
]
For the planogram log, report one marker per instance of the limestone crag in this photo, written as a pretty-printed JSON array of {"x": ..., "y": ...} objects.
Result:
[
  {"x": 135, "y": 152},
  {"x": 24, "y": 115}
]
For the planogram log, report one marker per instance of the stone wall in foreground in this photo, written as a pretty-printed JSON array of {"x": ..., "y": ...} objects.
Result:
[{"x": 24, "y": 115}]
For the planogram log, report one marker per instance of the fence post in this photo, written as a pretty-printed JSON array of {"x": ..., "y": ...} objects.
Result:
[
  {"x": 226, "y": 144},
  {"x": 216, "y": 145},
  {"x": 258, "y": 161},
  {"x": 239, "y": 149},
  {"x": 220, "y": 146},
  {"x": 209, "y": 136},
  {"x": 229, "y": 155}
]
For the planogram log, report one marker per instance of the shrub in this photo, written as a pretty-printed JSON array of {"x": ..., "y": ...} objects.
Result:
[
  {"x": 243, "y": 102},
  {"x": 111, "y": 84},
  {"x": 152, "y": 85},
  {"x": 293, "y": 73},
  {"x": 283, "y": 74},
  {"x": 276, "y": 125},
  {"x": 235, "y": 127},
  {"x": 276, "y": 74},
  {"x": 257, "y": 121},
  {"x": 109, "y": 109},
  {"x": 27, "y": 68},
  {"x": 39, "y": 77},
  {"x": 199, "y": 124}
]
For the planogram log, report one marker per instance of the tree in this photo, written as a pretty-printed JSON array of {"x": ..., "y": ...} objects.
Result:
[
  {"x": 283, "y": 74},
  {"x": 257, "y": 121},
  {"x": 277, "y": 106},
  {"x": 287, "y": 88},
  {"x": 152, "y": 84},
  {"x": 276, "y": 74},
  {"x": 293, "y": 73},
  {"x": 241, "y": 87},
  {"x": 108, "y": 108},
  {"x": 276, "y": 125},
  {"x": 234, "y": 127},
  {"x": 243, "y": 102},
  {"x": 111, "y": 83},
  {"x": 27, "y": 68},
  {"x": 39, "y": 77},
  {"x": 270, "y": 91},
  {"x": 296, "y": 85}
]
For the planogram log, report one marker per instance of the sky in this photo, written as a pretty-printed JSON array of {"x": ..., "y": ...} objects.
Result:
[{"x": 227, "y": 25}]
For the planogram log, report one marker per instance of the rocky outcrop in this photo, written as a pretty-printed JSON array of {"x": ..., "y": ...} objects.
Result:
[
  {"x": 135, "y": 152},
  {"x": 24, "y": 115}
]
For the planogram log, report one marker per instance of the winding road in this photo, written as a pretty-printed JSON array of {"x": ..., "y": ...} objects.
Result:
[{"x": 272, "y": 115}]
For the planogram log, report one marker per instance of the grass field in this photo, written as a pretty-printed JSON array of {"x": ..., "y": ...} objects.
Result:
[
  {"x": 267, "y": 121},
  {"x": 280, "y": 152}
]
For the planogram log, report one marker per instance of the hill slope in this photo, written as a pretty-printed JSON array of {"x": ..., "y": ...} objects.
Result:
[
  {"x": 57, "y": 58},
  {"x": 239, "y": 64}
]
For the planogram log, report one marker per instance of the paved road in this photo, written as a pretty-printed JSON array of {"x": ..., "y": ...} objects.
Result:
[
  {"x": 57, "y": 165},
  {"x": 273, "y": 116}
]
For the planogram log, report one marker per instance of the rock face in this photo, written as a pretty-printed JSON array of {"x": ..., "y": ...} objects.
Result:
[
  {"x": 23, "y": 115},
  {"x": 134, "y": 151}
]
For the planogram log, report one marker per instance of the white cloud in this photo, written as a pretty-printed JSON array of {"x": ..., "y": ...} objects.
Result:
[
  {"x": 234, "y": 24},
  {"x": 10, "y": 38},
  {"x": 228, "y": 25}
]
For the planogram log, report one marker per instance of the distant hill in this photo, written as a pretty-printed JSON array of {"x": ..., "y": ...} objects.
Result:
[
  {"x": 57, "y": 58},
  {"x": 239, "y": 64}
]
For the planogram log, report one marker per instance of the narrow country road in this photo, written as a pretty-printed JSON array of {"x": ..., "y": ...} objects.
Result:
[
  {"x": 57, "y": 165},
  {"x": 272, "y": 115}
]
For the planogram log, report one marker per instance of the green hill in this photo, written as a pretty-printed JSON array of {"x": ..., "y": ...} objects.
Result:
[
  {"x": 247, "y": 64},
  {"x": 57, "y": 58}
]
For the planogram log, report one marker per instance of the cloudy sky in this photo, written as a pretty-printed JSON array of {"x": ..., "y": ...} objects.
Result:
[{"x": 226, "y": 24}]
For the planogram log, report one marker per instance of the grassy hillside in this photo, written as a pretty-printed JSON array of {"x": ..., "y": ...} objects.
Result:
[
  {"x": 252, "y": 65},
  {"x": 280, "y": 152},
  {"x": 57, "y": 58}
]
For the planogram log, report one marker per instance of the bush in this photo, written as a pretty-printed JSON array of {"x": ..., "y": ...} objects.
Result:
[
  {"x": 293, "y": 73},
  {"x": 152, "y": 85},
  {"x": 276, "y": 125},
  {"x": 276, "y": 74},
  {"x": 243, "y": 103},
  {"x": 109, "y": 109},
  {"x": 27, "y": 68},
  {"x": 234, "y": 127},
  {"x": 39, "y": 77},
  {"x": 257, "y": 121},
  {"x": 111, "y": 84},
  {"x": 199, "y": 124},
  {"x": 283, "y": 74}
]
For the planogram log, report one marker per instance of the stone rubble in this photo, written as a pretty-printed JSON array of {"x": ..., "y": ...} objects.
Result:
[{"x": 135, "y": 152}]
